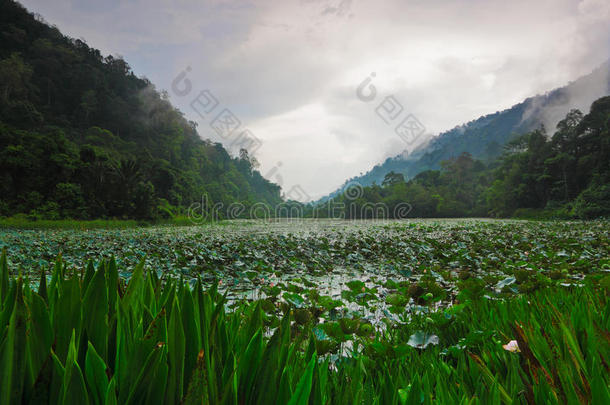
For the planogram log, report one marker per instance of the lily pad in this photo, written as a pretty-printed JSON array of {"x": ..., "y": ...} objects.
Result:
[
  {"x": 396, "y": 299},
  {"x": 355, "y": 285},
  {"x": 294, "y": 299},
  {"x": 507, "y": 281},
  {"x": 421, "y": 340}
]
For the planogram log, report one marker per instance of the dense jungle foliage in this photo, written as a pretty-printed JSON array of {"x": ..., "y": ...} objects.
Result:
[{"x": 82, "y": 136}]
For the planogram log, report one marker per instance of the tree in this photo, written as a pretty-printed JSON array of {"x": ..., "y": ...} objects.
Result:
[
  {"x": 393, "y": 178},
  {"x": 15, "y": 77}
]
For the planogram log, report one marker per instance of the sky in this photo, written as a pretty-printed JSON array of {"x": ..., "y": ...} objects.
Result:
[{"x": 320, "y": 86}]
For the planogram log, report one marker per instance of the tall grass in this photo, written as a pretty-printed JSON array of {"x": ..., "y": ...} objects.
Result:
[{"x": 90, "y": 337}]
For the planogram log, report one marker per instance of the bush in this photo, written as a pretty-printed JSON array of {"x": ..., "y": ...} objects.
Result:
[
  {"x": 49, "y": 210},
  {"x": 69, "y": 197},
  {"x": 593, "y": 202}
]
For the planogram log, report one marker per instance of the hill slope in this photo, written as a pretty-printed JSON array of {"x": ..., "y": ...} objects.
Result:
[
  {"x": 82, "y": 136},
  {"x": 565, "y": 174},
  {"x": 485, "y": 137}
]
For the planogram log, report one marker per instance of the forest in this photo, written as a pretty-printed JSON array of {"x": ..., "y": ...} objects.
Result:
[{"x": 81, "y": 136}]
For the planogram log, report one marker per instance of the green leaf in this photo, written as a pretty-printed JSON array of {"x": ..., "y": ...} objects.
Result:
[
  {"x": 145, "y": 379},
  {"x": 66, "y": 315},
  {"x": 12, "y": 353},
  {"x": 507, "y": 281},
  {"x": 112, "y": 281},
  {"x": 74, "y": 390},
  {"x": 295, "y": 299},
  {"x": 303, "y": 389},
  {"x": 355, "y": 285},
  {"x": 95, "y": 312},
  {"x": 4, "y": 277},
  {"x": 396, "y": 299},
  {"x": 111, "y": 393},
  {"x": 96, "y": 378},
  {"x": 176, "y": 351},
  {"x": 40, "y": 335},
  {"x": 249, "y": 363},
  {"x": 421, "y": 340},
  {"x": 42, "y": 286}
]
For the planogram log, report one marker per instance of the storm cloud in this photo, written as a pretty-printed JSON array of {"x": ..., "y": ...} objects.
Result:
[{"x": 289, "y": 70}]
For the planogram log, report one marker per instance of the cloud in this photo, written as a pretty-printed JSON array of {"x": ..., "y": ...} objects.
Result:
[{"x": 289, "y": 70}]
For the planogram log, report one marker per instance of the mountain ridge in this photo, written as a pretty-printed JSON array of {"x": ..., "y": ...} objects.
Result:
[{"x": 485, "y": 137}]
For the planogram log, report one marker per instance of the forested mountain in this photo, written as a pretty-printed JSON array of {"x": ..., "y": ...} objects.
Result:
[
  {"x": 565, "y": 174},
  {"x": 485, "y": 137},
  {"x": 82, "y": 136}
]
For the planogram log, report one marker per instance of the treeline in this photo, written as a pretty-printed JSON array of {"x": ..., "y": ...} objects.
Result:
[
  {"x": 82, "y": 136},
  {"x": 563, "y": 175}
]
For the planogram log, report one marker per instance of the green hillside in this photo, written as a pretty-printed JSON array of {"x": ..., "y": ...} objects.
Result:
[
  {"x": 82, "y": 136},
  {"x": 563, "y": 174},
  {"x": 485, "y": 137}
]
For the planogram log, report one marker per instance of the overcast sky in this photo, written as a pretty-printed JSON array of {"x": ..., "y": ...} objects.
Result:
[{"x": 289, "y": 70}]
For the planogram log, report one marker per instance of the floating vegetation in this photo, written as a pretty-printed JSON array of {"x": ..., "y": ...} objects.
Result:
[{"x": 398, "y": 312}]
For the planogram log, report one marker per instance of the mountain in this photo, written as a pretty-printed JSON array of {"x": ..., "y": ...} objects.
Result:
[
  {"x": 564, "y": 174},
  {"x": 485, "y": 137},
  {"x": 82, "y": 136}
]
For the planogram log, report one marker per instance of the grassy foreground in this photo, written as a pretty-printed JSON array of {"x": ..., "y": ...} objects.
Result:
[{"x": 91, "y": 337}]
